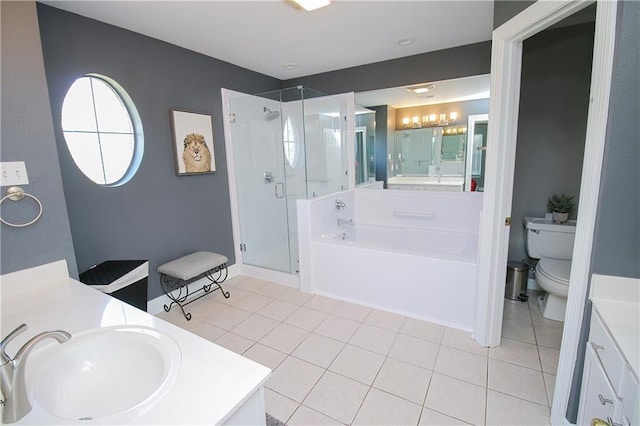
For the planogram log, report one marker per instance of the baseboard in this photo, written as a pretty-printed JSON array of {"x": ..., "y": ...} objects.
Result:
[{"x": 155, "y": 306}]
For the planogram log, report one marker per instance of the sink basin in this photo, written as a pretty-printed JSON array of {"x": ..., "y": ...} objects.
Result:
[{"x": 103, "y": 372}]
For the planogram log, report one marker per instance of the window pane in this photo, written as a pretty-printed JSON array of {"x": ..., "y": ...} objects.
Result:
[
  {"x": 112, "y": 114},
  {"x": 291, "y": 142},
  {"x": 85, "y": 151},
  {"x": 117, "y": 152},
  {"x": 77, "y": 108},
  {"x": 98, "y": 119}
]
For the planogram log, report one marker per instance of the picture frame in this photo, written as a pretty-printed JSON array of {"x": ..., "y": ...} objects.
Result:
[{"x": 192, "y": 142}]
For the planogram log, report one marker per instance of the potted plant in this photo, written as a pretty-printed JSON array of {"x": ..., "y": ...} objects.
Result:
[{"x": 560, "y": 206}]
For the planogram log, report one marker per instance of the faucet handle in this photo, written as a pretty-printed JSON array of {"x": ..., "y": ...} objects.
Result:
[{"x": 20, "y": 329}]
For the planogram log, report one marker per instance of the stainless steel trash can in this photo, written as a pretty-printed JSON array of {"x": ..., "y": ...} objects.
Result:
[{"x": 517, "y": 275}]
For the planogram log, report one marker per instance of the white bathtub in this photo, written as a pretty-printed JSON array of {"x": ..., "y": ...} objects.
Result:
[{"x": 422, "y": 273}]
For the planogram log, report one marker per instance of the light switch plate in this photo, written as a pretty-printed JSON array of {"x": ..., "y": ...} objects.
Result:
[{"x": 13, "y": 173}]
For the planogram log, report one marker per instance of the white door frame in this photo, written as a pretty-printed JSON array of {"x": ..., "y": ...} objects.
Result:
[
  {"x": 471, "y": 132},
  {"x": 506, "y": 62}
]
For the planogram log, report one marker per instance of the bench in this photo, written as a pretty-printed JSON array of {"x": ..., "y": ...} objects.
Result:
[{"x": 174, "y": 277}]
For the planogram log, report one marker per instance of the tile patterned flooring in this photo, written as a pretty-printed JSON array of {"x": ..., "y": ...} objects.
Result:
[{"x": 337, "y": 363}]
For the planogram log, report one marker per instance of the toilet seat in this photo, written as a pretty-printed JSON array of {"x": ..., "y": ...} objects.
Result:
[{"x": 553, "y": 275}]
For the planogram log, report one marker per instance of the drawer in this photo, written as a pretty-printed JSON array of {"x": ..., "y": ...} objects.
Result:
[
  {"x": 597, "y": 397},
  {"x": 607, "y": 351}
]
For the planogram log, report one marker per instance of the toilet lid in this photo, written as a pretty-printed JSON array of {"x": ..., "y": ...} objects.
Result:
[{"x": 559, "y": 270}]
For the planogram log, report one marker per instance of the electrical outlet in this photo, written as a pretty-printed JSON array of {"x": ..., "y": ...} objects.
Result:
[{"x": 13, "y": 173}]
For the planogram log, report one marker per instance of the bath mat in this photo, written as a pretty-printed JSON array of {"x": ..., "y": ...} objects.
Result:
[{"x": 272, "y": 421}]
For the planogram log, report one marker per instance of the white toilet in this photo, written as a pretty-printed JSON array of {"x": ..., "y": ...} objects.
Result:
[{"x": 552, "y": 244}]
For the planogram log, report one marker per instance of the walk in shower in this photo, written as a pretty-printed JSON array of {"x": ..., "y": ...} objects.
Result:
[{"x": 282, "y": 146}]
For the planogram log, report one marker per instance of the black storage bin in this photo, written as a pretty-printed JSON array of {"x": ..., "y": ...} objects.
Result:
[{"x": 126, "y": 280}]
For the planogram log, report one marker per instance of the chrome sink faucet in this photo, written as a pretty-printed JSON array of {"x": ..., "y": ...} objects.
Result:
[{"x": 12, "y": 373}]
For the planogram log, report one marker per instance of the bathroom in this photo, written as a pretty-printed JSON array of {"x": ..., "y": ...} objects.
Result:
[
  {"x": 549, "y": 158},
  {"x": 147, "y": 206}
]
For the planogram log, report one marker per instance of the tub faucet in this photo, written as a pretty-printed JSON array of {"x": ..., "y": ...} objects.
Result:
[
  {"x": 349, "y": 222},
  {"x": 340, "y": 204},
  {"x": 12, "y": 373}
]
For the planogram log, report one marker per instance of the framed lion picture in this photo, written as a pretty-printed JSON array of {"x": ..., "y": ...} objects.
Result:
[{"x": 193, "y": 142}]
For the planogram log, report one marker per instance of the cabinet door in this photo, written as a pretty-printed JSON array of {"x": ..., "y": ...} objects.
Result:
[{"x": 597, "y": 398}]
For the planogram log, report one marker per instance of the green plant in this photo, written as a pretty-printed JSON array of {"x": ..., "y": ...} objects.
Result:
[{"x": 561, "y": 203}]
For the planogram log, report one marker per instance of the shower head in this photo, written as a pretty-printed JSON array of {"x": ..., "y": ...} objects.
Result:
[{"x": 271, "y": 115}]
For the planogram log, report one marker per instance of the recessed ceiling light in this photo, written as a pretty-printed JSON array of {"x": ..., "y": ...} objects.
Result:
[
  {"x": 308, "y": 5},
  {"x": 423, "y": 88},
  {"x": 405, "y": 41},
  {"x": 290, "y": 66}
]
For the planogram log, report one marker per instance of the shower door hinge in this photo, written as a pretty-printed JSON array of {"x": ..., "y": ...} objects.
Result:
[
  {"x": 232, "y": 118},
  {"x": 243, "y": 247},
  {"x": 507, "y": 221}
]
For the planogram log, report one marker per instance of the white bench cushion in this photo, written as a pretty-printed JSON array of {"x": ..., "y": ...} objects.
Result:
[{"x": 192, "y": 265}]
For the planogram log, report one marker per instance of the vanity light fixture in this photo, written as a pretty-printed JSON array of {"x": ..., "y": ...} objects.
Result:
[
  {"x": 460, "y": 130},
  {"x": 431, "y": 120},
  {"x": 308, "y": 5}
]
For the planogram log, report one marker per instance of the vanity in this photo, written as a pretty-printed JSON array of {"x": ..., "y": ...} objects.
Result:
[
  {"x": 439, "y": 158},
  {"x": 141, "y": 369},
  {"x": 427, "y": 183},
  {"x": 610, "y": 385}
]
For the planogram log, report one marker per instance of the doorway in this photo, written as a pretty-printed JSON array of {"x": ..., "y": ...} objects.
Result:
[{"x": 494, "y": 232}]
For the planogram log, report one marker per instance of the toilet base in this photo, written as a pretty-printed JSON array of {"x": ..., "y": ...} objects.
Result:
[{"x": 552, "y": 307}]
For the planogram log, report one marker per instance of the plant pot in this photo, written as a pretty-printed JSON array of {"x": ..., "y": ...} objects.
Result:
[{"x": 558, "y": 217}]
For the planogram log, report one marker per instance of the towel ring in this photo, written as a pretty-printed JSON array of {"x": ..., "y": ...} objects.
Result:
[{"x": 15, "y": 193}]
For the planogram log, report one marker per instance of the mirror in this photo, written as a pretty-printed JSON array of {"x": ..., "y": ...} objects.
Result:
[
  {"x": 429, "y": 159},
  {"x": 428, "y": 145},
  {"x": 365, "y": 145},
  {"x": 476, "y": 146}
]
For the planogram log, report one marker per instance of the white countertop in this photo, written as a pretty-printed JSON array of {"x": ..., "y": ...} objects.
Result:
[
  {"x": 212, "y": 381},
  {"x": 426, "y": 180},
  {"x": 617, "y": 300}
]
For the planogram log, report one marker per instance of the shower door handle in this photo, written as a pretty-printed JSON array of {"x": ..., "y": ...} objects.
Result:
[{"x": 281, "y": 193}]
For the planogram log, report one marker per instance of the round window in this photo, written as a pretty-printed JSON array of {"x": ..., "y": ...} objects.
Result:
[
  {"x": 102, "y": 130},
  {"x": 291, "y": 140}
]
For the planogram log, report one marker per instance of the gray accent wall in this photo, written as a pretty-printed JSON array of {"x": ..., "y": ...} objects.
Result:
[
  {"x": 157, "y": 215},
  {"x": 503, "y": 10},
  {"x": 554, "y": 100},
  {"x": 385, "y": 125},
  {"x": 616, "y": 249},
  {"x": 27, "y": 135},
  {"x": 457, "y": 62}
]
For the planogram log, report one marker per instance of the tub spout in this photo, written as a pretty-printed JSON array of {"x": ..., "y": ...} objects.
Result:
[
  {"x": 12, "y": 372},
  {"x": 349, "y": 222}
]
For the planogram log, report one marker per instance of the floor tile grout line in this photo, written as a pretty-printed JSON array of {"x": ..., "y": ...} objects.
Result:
[
  {"x": 520, "y": 398},
  {"x": 387, "y": 354}
]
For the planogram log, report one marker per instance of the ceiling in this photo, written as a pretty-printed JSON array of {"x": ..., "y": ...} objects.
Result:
[
  {"x": 455, "y": 90},
  {"x": 265, "y": 35}
]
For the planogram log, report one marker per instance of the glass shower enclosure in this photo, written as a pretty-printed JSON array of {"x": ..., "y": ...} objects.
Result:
[{"x": 286, "y": 145}]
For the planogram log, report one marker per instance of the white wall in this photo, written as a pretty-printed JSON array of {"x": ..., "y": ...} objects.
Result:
[{"x": 450, "y": 211}]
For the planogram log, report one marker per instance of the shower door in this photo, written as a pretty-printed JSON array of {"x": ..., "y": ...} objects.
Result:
[
  {"x": 286, "y": 145},
  {"x": 256, "y": 130}
]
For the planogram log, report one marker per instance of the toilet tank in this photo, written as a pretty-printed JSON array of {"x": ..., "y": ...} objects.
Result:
[{"x": 546, "y": 239}]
